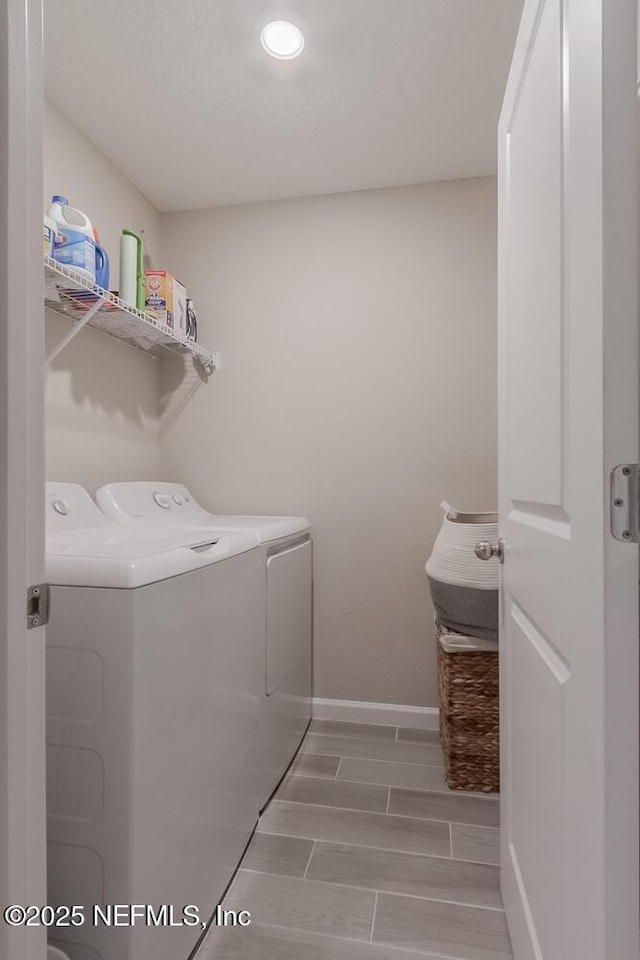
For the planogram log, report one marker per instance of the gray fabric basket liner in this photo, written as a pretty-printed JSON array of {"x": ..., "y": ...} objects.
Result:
[{"x": 466, "y": 610}]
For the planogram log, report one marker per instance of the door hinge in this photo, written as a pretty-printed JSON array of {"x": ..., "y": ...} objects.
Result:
[
  {"x": 37, "y": 605},
  {"x": 625, "y": 502}
]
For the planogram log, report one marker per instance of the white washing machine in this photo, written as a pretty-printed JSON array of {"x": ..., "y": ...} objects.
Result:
[
  {"x": 286, "y": 552},
  {"x": 152, "y": 721}
]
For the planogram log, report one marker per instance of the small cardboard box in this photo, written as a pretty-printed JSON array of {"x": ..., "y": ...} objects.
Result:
[{"x": 165, "y": 298}]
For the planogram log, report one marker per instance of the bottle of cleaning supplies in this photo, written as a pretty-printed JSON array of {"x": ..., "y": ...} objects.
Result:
[
  {"x": 48, "y": 235},
  {"x": 102, "y": 263},
  {"x": 73, "y": 245},
  {"x": 192, "y": 321},
  {"x": 132, "y": 278},
  {"x": 128, "y": 259}
]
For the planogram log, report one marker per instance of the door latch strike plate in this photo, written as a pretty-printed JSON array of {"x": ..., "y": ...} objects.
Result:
[
  {"x": 37, "y": 605},
  {"x": 625, "y": 502}
]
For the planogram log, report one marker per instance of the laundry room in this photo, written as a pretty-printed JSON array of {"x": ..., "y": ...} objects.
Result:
[
  {"x": 276, "y": 398},
  {"x": 337, "y": 238},
  {"x": 352, "y": 303}
]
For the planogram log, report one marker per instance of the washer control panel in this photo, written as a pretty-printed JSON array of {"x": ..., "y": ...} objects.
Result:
[
  {"x": 68, "y": 506},
  {"x": 167, "y": 500},
  {"x": 146, "y": 500}
]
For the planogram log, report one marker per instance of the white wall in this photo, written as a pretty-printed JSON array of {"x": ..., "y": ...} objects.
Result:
[
  {"x": 358, "y": 387},
  {"x": 101, "y": 401}
]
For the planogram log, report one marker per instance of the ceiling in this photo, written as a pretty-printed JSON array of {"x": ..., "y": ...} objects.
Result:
[{"x": 181, "y": 97}]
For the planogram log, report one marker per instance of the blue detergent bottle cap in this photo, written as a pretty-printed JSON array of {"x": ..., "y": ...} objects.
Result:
[{"x": 56, "y": 198}]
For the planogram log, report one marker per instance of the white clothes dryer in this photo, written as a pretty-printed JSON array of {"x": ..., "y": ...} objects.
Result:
[
  {"x": 286, "y": 548},
  {"x": 152, "y": 723}
]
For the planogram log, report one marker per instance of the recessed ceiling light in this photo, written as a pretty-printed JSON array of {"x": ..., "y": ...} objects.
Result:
[{"x": 282, "y": 40}]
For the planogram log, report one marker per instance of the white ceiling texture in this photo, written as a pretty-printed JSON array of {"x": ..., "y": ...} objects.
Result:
[{"x": 180, "y": 95}]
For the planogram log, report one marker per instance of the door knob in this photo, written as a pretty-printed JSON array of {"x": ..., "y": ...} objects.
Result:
[{"x": 487, "y": 551}]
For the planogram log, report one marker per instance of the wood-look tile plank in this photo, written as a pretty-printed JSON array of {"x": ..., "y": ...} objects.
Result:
[
  {"x": 466, "y": 933},
  {"x": 303, "y": 904},
  {"x": 480, "y": 844},
  {"x": 357, "y": 828},
  {"x": 268, "y": 853},
  {"x": 266, "y": 942},
  {"x": 310, "y": 765},
  {"x": 342, "y": 728},
  {"x": 334, "y": 793},
  {"x": 406, "y": 873},
  {"x": 373, "y": 749},
  {"x": 390, "y": 773},
  {"x": 482, "y": 811},
  {"x": 413, "y": 735}
]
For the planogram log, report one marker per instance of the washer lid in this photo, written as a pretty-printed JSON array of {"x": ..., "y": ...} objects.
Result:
[
  {"x": 118, "y": 557},
  {"x": 84, "y": 548},
  {"x": 163, "y": 503}
]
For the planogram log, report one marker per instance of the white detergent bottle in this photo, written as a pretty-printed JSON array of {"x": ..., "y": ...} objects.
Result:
[
  {"x": 74, "y": 244},
  {"x": 48, "y": 235}
]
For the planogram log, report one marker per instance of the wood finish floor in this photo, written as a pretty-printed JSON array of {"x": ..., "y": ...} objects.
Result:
[{"x": 365, "y": 854}]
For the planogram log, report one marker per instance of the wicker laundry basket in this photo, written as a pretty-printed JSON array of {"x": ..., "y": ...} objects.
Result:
[{"x": 469, "y": 711}]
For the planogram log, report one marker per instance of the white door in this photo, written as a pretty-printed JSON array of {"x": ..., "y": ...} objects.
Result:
[
  {"x": 22, "y": 801},
  {"x": 568, "y": 398}
]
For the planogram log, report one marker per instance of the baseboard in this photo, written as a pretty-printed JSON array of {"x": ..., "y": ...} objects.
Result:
[{"x": 394, "y": 714}]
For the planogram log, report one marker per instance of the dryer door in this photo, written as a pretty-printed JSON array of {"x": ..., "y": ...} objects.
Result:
[{"x": 288, "y": 659}]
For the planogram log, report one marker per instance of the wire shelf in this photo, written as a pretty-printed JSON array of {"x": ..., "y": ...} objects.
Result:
[{"x": 86, "y": 304}]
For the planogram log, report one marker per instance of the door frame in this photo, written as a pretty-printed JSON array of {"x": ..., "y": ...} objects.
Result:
[{"x": 22, "y": 651}]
